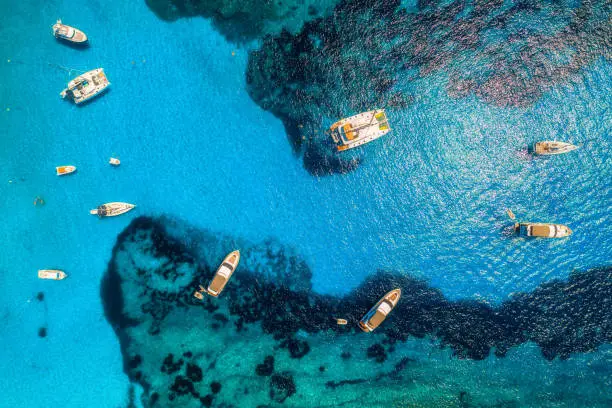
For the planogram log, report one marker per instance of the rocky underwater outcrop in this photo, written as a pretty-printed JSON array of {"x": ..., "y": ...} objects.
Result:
[
  {"x": 244, "y": 20},
  {"x": 268, "y": 340}
]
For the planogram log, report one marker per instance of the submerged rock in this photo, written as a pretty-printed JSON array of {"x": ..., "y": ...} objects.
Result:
[
  {"x": 282, "y": 387},
  {"x": 159, "y": 323}
]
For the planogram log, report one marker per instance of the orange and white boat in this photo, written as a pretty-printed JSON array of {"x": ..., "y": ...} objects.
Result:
[
  {"x": 63, "y": 170},
  {"x": 53, "y": 274},
  {"x": 376, "y": 315},
  {"x": 223, "y": 274},
  {"x": 359, "y": 129},
  {"x": 114, "y": 161}
]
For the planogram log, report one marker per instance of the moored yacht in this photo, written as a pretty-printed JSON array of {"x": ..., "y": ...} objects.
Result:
[
  {"x": 377, "y": 314},
  {"x": 548, "y": 148},
  {"x": 53, "y": 274},
  {"x": 359, "y": 129},
  {"x": 86, "y": 86},
  {"x": 68, "y": 33},
  {"x": 223, "y": 274},
  {"x": 112, "y": 209},
  {"x": 542, "y": 230}
]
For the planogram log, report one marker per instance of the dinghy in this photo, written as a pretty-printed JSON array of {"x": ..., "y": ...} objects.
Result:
[
  {"x": 68, "y": 33},
  {"x": 549, "y": 148},
  {"x": 53, "y": 274},
  {"x": 542, "y": 230},
  {"x": 112, "y": 209},
  {"x": 114, "y": 161},
  {"x": 86, "y": 86},
  {"x": 199, "y": 294},
  {"x": 360, "y": 129},
  {"x": 223, "y": 274},
  {"x": 63, "y": 170},
  {"x": 376, "y": 315}
]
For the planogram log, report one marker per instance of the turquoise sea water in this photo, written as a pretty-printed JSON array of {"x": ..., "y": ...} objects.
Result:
[{"x": 428, "y": 199}]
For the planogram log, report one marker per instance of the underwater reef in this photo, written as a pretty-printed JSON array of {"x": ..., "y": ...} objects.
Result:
[
  {"x": 268, "y": 340},
  {"x": 365, "y": 54},
  {"x": 244, "y": 20}
]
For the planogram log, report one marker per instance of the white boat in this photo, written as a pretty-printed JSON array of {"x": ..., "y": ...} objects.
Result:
[
  {"x": 223, "y": 274},
  {"x": 112, "y": 209},
  {"x": 360, "y": 129},
  {"x": 68, "y": 33},
  {"x": 542, "y": 230},
  {"x": 63, "y": 170},
  {"x": 86, "y": 86},
  {"x": 53, "y": 274},
  {"x": 377, "y": 314},
  {"x": 114, "y": 161},
  {"x": 548, "y": 148}
]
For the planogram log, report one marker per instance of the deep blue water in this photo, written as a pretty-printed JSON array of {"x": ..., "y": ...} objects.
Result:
[{"x": 428, "y": 199}]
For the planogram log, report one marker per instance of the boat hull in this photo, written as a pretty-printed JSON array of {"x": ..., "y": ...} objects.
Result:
[
  {"x": 112, "y": 209},
  {"x": 218, "y": 283},
  {"x": 69, "y": 34},
  {"x": 550, "y": 148},
  {"x": 86, "y": 86},
  {"x": 368, "y": 323},
  {"x": 52, "y": 274},
  {"x": 64, "y": 170}
]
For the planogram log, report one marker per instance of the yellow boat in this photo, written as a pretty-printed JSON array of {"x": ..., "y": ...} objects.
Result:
[
  {"x": 223, "y": 274},
  {"x": 53, "y": 274},
  {"x": 548, "y": 148},
  {"x": 63, "y": 170},
  {"x": 377, "y": 314}
]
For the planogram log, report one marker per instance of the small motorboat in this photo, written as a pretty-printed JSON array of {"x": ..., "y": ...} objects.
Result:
[
  {"x": 542, "y": 230},
  {"x": 360, "y": 129},
  {"x": 67, "y": 33},
  {"x": 53, "y": 274},
  {"x": 223, "y": 274},
  {"x": 199, "y": 294},
  {"x": 548, "y": 148},
  {"x": 112, "y": 209},
  {"x": 114, "y": 161},
  {"x": 86, "y": 86},
  {"x": 376, "y": 315},
  {"x": 63, "y": 170},
  {"x": 341, "y": 321}
]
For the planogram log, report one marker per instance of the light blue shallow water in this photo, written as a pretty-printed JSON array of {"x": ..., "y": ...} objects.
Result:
[{"x": 429, "y": 198}]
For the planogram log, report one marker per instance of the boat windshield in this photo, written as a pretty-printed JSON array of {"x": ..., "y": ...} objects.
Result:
[
  {"x": 224, "y": 271},
  {"x": 384, "y": 308}
]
